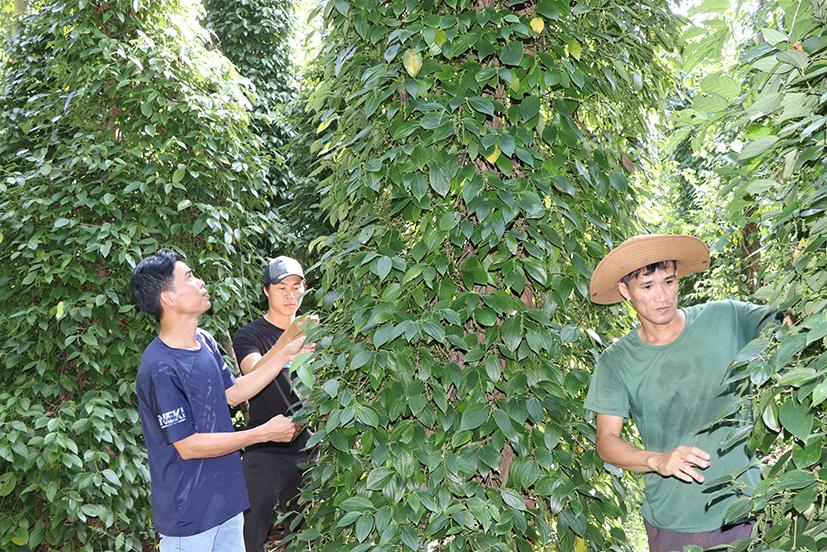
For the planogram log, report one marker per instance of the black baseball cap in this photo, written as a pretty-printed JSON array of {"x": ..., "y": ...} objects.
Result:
[{"x": 280, "y": 268}]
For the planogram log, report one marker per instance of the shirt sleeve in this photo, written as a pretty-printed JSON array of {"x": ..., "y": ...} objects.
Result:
[
  {"x": 607, "y": 395},
  {"x": 243, "y": 344},
  {"x": 226, "y": 374},
  {"x": 168, "y": 405},
  {"x": 752, "y": 318}
]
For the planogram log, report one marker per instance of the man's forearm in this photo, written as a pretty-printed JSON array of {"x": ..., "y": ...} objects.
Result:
[
  {"x": 679, "y": 462},
  {"x": 250, "y": 384},
  {"x": 617, "y": 452},
  {"x": 212, "y": 445}
]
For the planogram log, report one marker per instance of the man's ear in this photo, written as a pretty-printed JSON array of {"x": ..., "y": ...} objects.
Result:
[
  {"x": 623, "y": 290},
  {"x": 167, "y": 300}
]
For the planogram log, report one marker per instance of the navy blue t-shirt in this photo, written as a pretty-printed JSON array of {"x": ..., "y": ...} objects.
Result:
[{"x": 182, "y": 392}]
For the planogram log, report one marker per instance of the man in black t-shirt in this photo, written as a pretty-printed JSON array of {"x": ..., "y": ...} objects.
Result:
[{"x": 271, "y": 469}]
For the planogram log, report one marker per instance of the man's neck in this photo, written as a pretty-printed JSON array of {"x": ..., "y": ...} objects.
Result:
[
  {"x": 279, "y": 320},
  {"x": 179, "y": 333},
  {"x": 662, "y": 334}
]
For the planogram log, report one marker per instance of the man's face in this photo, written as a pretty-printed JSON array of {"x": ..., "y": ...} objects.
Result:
[
  {"x": 655, "y": 297},
  {"x": 189, "y": 296},
  {"x": 284, "y": 296}
]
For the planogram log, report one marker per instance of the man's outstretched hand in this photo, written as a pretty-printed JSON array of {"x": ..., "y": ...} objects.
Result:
[{"x": 679, "y": 463}]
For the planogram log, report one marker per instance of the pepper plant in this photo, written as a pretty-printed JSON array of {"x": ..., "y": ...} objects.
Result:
[
  {"x": 120, "y": 132},
  {"x": 482, "y": 158}
]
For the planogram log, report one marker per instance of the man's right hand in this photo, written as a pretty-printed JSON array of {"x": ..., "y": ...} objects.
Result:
[
  {"x": 296, "y": 347},
  {"x": 294, "y": 330},
  {"x": 280, "y": 429},
  {"x": 679, "y": 462}
]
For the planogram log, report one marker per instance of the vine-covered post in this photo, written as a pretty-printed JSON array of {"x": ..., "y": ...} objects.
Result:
[{"x": 480, "y": 164}]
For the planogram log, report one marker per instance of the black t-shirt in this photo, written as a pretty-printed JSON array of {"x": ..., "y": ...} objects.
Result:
[{"x": 276, "y": 398}]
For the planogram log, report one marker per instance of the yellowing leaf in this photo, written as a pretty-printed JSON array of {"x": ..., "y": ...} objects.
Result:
[
  {"x": 575, "y": 49},
  {"x": 494, "y": 156},
  {"x": 538, "y": 25},
  {"x": 579, "y": 544},
  {"x": 17, "y": 541},
  {"x": 412, "y": 62}
]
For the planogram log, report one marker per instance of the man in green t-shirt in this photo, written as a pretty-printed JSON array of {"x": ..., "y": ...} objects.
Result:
[{"x": 669, "y": 374}]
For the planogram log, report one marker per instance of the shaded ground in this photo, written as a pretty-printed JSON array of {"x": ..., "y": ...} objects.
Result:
[{"x": 273, "y": 539}]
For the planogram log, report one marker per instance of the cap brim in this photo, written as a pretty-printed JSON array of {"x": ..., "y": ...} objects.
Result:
[{"x": 690, "y": 253}]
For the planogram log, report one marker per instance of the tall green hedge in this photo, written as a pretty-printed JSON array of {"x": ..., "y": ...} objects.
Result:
[
  {"x": 482, "y": 158},
  {"x": 120, "y": 132}
]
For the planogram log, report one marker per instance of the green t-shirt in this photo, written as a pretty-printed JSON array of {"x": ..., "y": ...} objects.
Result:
[{"x": 673, "y": 390}]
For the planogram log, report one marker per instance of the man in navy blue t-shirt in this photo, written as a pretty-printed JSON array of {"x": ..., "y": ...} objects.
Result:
[{"x": 184, "y": 387}]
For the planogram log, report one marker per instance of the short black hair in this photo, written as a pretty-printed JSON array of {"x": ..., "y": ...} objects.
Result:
[
  {"x": 153, "y": 276},
  {"x": 648, "y": 270}
]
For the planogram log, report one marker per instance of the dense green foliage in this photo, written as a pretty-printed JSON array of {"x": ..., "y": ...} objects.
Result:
[
  {"x": 481, "y": 160},
  {"x": 254, "y": 35},
  {"x": 477, "y": 161},
  {"x": 768, "y": 115},
  {"x": 119, "y": 133}
]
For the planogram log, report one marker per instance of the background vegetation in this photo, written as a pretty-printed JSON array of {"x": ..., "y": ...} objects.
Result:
[{"x": 456, "y": 169}]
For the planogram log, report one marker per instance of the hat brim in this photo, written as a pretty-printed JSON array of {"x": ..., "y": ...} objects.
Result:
[{"x": 690, "y": 254}]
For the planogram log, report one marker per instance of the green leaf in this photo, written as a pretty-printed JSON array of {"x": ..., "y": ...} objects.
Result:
[
  {"x": 481, "y": 104},
  {"x": 367, "y": 416},
  {"x": 789, "y": 346},
  {"x": 441, "y": 173},
  {"x": 341, "y": 6},
  {"x": 796, "y": 58},
  {"x": 529, "y": 108},
  {"x": 796, "y": 419},
  {"x": 434, "y": 120},
  {"x": 619, "y": 182},
  {"x": 722, "y": 85},
  {"x": 448, "y": 221},
  {"x": 8, "y": 481},
  {"x": 433, "y": 328},
  {"x": 513, "y": 499},
  {"x": 178, "y": 175},
  {"x": 378, "y": 478},
  {"x": 364, "y": 525},
  {"x": 751, "y": 350},
  {"x": 738, "y": 511},
  {"x": 563, "y": 184},
  {"x": 409, "y": 538},
  {"x": 504, "y": 423},
  {"x": 357, "y": 504},
  {"x": 773, "y": 36},
  {"x": 513, "y": 53},
  {"x": 820, "y": 393},
  {"x": 383, "y": 267},
  {"x": 506, "y": 143},
  {"x": 511, "y": 332},
  {"x": 474, "y": 416},
  {"x": 797, "y": 479},
  {"x": 757, "y": 147},
  {"x": 310, "y": 535},
  {"x": 575, "y": 49}
]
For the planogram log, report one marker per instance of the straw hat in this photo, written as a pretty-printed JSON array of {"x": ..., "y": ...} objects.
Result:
[{"x": 691, "y": 255}]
